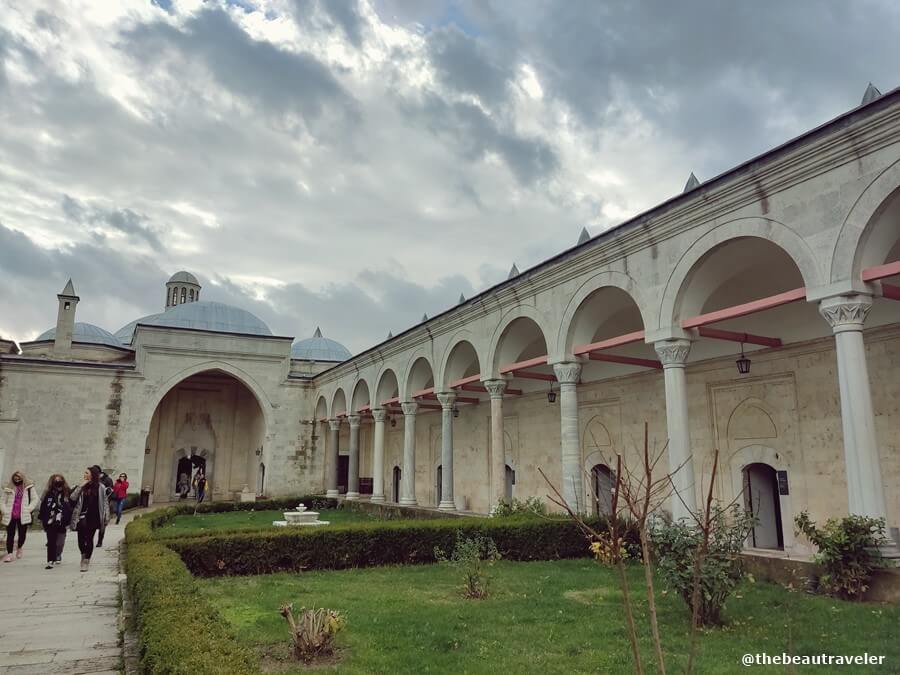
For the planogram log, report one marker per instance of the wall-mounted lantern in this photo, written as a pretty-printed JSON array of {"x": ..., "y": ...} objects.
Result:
[{"x": 743, "y": 363}]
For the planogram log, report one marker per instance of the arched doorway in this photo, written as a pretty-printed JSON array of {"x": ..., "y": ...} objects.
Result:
[
  {"x": 395, "y": 485},
  {"x": 602, "y": 483},
  {"x": 210, "y": 421},
  {"x": 510, "y": 481},
  {"x": 762, "y": 500}
]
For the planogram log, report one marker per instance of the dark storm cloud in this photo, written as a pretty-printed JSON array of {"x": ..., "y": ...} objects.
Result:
[
  {"x": 117, "y": 287},
  {"x": 463, "y": 64},
  {"x": 125, "y": 221},
  {"x": 318, "y": 166},
  {"x": 474, "y": 135},
  {"x": 341, "y": 14},
  {"x": 111, "y": 284},
  {"x": 279, "y": 80},
  {"x": 731, "y": 77}
]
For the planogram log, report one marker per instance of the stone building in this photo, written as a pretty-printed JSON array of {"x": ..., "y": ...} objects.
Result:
[{"x": 756, "y": 313}]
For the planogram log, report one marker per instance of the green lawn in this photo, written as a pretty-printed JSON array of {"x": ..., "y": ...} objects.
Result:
[
  {"x": 542, "y": 617},
  {"x": 251, "y": 520}
]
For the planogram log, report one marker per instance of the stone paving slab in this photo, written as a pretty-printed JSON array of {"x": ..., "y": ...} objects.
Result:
[{"x": 69, "y": 620}]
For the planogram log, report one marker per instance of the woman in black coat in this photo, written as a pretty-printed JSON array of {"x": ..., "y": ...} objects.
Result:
[{"x": 55, "y": 516}]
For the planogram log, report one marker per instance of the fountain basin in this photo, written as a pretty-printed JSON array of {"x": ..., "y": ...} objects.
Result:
[{"x": 300, "y": 517}]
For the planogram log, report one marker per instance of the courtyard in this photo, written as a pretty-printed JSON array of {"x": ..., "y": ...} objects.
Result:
[
  {"x": 541, "y": 617},
  {"x": 550, "y": 607}
]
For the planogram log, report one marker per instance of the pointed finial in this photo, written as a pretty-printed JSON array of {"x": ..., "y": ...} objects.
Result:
[
  {"x": 69, "y": 289},
  {"x": 692, "y": 182},
  {"x": 513, "y": 271},
  {"x": 461, "y": 300},
  {"x": 390, "y": 334},
  {"x": 318, "y": 333},
  {"x": 424, "y": 318},
  {"x": 584, "y": 236},
  {"x": 872, "y": 92}
]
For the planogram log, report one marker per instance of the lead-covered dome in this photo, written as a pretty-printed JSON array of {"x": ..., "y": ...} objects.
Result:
[
  {"x": 216, "y": 317},
  {"x": 85, "y": 333},
  {"x": 183, "y": 277},
  {"x": 319, "y": 348}
]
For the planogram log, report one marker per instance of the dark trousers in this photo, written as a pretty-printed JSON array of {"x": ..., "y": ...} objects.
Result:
[
  {"x": 119, "y": 504},
  {"x": 200, "y": 495},
  {"x": 15, "y": 525},
  {"x": 56, "y": 540},
  {"x": 86, "y": 539}
]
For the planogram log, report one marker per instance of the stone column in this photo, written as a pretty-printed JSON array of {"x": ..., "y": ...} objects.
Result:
[
  {"x": 447, "y": 400},
  {"x": 408, "y": 478},
  {"x": 498, "y": 444},
  {"x": 353, "y": 468},
  {"x": 331, "y": 460},
  {"x": 380, "y": 414},
  {"x": 846, "y": 315},
  {"x": 673, "y": 355},
  {"x": 572, "y": 488}
]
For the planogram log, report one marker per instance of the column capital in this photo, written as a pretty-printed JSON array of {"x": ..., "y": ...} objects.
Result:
[
  {"x": 673, "y": 353},
  {"x": 568, "y": 372},
  {"x": 380, "y": 414},
  {"x": 354, "y": 421},
  {"x": 334, "y": 424},
  {"x": 409, "y": 407},
  {"x": 846, "y": 312},
  {"x": 495, "y": 387},
  {"x": 447, "y": 399}
]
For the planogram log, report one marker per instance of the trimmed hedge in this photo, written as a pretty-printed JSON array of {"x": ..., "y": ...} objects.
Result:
[
  {"x": 149, "y": 526},
  {"x": 180, "y": 633},
  {"x": 372, "y": 544}
]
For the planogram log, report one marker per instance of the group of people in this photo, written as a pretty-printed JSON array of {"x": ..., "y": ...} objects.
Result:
[
  {"x": 200, "y": 484},
  {"x": 84, "y": 509}
]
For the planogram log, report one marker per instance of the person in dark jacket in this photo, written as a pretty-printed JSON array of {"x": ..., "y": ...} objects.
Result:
[
  {"x": 90, "y": 514},
  {"x": 108, "y": 484},
  {"x": 55, "y": 515}
]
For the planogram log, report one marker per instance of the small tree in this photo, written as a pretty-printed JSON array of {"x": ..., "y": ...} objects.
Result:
[
  {"x": 703, "y": 570},
  {"x": 472, "y": 556},
  {"x": 848, "y": 550}
]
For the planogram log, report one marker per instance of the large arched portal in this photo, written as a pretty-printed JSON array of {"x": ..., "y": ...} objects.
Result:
[{"x": 209, "y": 421}]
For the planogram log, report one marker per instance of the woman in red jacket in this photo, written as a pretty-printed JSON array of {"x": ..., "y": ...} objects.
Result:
[{"x": 120, "y": 489}]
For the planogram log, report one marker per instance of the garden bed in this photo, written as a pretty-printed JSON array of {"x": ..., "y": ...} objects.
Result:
[{"x": 557, "y": 616}]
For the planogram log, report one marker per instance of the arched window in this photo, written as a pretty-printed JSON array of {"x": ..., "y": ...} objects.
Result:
[
  {"x": 183, "y": 294},
  {"x": 192, "y": 295},
  {"x": 174, "y": 296}
]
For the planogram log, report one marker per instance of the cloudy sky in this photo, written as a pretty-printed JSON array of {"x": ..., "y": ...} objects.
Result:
[{"x": 353, "y": 164}]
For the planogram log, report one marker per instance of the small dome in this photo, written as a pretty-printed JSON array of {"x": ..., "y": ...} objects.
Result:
[
  {"x": 86, "y": 333},
  {"x": 319, "y": 348},
  {"x": 183, "y": 277},
  {"x": 216, "y": 317}
]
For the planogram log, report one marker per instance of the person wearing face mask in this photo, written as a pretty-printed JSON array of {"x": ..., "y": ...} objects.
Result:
[
  {"x": 19, "y": 500},
  {"x": 55, "y": 515},
  {"x": 91, "y": 513}
]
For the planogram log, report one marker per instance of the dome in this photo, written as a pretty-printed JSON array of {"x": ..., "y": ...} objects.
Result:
[
  {"x": 319, "y": 348},
  {"x": 86, "y": 333},
  {"x": 216, "y": 317},
  {"x": 183, "y": 277}
]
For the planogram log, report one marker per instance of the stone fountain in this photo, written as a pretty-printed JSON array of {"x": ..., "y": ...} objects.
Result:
[{"x": 300, "y": 516}]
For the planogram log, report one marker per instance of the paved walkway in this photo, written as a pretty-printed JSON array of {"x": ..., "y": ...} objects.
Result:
[{"x": 61, "y": 621}]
